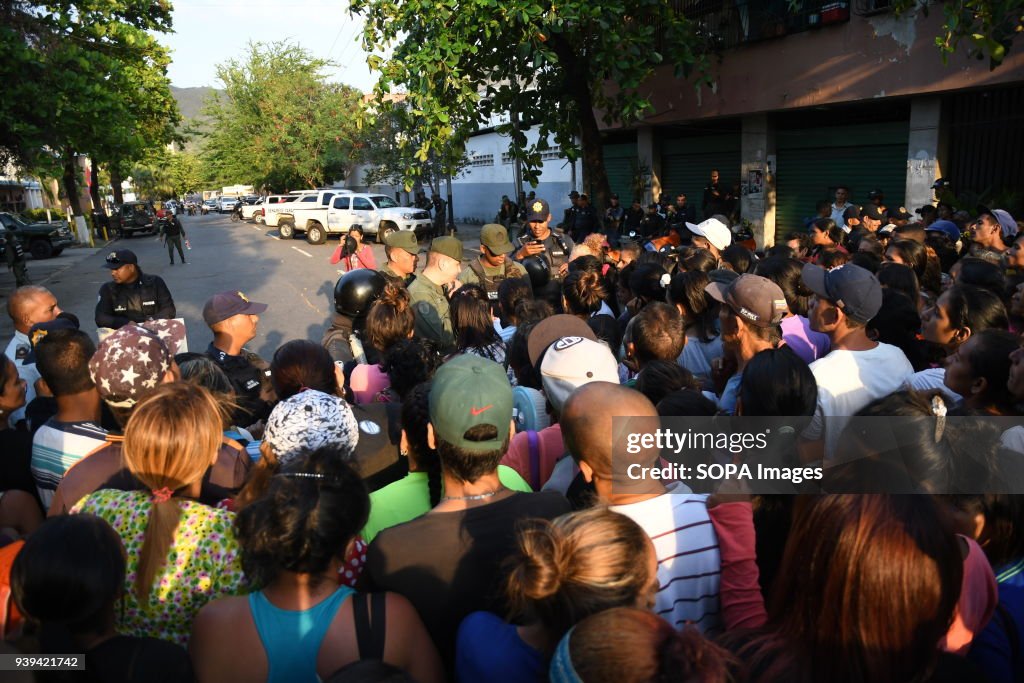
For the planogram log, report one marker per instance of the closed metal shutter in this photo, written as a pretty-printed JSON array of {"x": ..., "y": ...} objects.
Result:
[
  {"x": 686, "y": 166},
  {"x": 813, "y": 162},
  {"x": 620, "y": 166}
]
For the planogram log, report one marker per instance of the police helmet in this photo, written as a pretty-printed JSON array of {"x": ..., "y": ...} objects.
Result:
[
  {"x": 356, "y": 290},
  {"x": 537, "y": 269}
]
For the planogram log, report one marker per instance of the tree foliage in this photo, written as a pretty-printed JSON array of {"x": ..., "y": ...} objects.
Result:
[
  {"x": 545, "y": 64},
  {"x": 166, "y": 173},
  {"x": 83, "y": 77},
  {"x": 280, "y": 124},
  {"x": 989, "y": 27}
]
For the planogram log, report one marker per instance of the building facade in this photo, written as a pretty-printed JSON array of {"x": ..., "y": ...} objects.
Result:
[{"x": 829, "y": 95}]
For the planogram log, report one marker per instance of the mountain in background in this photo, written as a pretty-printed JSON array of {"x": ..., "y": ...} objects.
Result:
[{"x": 191, "y": 100}]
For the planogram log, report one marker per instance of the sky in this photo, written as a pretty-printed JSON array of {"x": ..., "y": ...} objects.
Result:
[{"x": 210, "y": 32}]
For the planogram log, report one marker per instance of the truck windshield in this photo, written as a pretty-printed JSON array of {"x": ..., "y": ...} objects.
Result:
[{"x": 384, "y": 202}]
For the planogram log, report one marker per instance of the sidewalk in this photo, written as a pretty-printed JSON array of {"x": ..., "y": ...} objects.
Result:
[{"x": 42, "y": 272}]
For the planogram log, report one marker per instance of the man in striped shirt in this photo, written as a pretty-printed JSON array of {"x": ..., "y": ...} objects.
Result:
[
  {"x": 676, "y": 520},
  {"x": 62, "y": 358}
]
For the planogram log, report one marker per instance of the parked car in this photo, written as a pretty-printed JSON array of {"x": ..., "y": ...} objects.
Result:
[
  {"x": 228, "y": 204},
  {"x": 209, "y": 205},
  {"x": 133, "y": 217},
  {"x": 333, "y": 211},
  {"x": 42, "y": 240}
]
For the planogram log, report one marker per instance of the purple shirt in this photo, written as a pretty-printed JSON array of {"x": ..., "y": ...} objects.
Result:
[{"x": 805, "y": 342}]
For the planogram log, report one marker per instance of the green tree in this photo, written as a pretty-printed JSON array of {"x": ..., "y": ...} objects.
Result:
[
  {"x": 989, "y": 27},
  {"x": 280, "y": 123},
  {"x": 544, "y": 64},
  {"x": 84, "y": 77}
]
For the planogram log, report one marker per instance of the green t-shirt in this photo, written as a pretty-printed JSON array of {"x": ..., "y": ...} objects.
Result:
[{"x": 409, "y": 498}]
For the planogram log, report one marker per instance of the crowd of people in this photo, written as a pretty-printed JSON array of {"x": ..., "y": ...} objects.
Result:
[{"x": 432, "y": 491}]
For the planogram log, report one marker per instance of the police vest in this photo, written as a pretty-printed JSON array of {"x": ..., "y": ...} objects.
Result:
[
  {"x": 556, "y": 251},
  {"x": 136, "y": 301},
  {"x": 489, "y": 282}
]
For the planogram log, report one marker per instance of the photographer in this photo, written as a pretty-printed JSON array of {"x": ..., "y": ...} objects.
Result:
[{"x": 353, "y": 252}]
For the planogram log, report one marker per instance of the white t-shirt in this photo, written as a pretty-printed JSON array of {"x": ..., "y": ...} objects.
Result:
[
  {"x": 697, "y": 356},
  {"x": 689, "y": 563},
  {"x": 931, "y": 379},
  {"x": 848, "y": 381}
]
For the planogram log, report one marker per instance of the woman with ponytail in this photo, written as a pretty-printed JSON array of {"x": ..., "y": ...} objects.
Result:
[
  {"x": 181, "y": 554},
  {"x": 567, "y": 569},
  {"x": 389, "y": 322},
  {"x": 420, "y": 490}
]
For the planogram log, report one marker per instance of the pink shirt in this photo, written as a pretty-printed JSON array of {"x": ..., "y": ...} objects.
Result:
[
  {"x": 551, "y": 448},
  {"x": 363, "y": 258},
  {"x": 367, "y": 381},
  {"x": 805, "y": 342}
]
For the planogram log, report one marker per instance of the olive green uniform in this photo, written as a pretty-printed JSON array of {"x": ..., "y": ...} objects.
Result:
[
  {"x": 433, "y": 316},
  {"x": 493, "y": 275}
]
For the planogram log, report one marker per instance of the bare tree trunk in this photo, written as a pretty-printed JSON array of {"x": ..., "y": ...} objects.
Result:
[
  {"x": 577, "y": 86},
  {"x": 115, "y": 182},
  {"x": 71, "y": 182}
]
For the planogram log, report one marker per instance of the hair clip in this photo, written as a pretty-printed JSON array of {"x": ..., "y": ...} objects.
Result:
[
  {"x": 939, "y": 410},
  {"x": 666, "y": 280},
  {"x": 311, "y": 475}
]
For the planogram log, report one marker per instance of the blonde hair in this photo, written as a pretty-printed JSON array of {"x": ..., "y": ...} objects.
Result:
[
  {"x": 578, "y": 564},
  {"x": 171, "y": 439}
]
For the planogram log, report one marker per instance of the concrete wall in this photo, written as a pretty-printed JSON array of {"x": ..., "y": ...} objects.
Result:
[{"x": 865, "y": 58}]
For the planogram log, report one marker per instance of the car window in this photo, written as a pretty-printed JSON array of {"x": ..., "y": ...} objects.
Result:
[
  {"x": 326, "y": 201},
  {"x": 361, "y": 204},
  {"x": 8, "y": 222},
  {"x": 342, "y": 202},
  {"x": 309, "y": 198},
  {"x": 383, "y": 201}
]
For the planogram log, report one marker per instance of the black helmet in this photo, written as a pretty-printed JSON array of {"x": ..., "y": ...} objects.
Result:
[
  {"x": 356, "y": 290},
  {"x": 537, "y": 269}
]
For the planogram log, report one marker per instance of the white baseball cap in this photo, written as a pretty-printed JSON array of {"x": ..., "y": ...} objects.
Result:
[
  {"x": 714, "y": 231},
  {"x": 571, "y": 362}
]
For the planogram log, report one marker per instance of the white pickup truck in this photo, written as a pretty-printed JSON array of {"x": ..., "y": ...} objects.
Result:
[
  {"x": 272, "y": 210},
  {"x": 333, "y": 211}
]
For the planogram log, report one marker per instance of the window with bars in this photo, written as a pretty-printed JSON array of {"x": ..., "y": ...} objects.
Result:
[{"x": 482, "y": 160}]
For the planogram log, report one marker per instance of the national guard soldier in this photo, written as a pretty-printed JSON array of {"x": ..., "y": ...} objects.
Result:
[
  {"x": 428, "y": 293},
  {"x": 233, "y": 319},
  {"x": 493, "y": 265},
  {"x": 14, "y": 255},
  {"x": 553, "y": 246},
  {"x": 403, "y": 254},
  {"x": 132, "y": 297}
]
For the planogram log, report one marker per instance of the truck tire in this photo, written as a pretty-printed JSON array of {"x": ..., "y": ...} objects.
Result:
[
  {"x": 41, "y": 249},
  {"x": 258, "y": 217},
  {"x": 385, "y": 229},
  {"x": 286, "y": 228},
  {"x": 315, "y": 233}
]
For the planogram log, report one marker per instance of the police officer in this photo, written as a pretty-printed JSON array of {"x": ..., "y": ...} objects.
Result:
[
  {"x": 27, "y": 307},
  {"x": 439, "y": 205},
  {"x": 132, "y": 296},
  {"x": 233, "y": 319},
  {"x": 586, "y": 221},
  {"x": 493, "y": 265},
  {"x": 14, "y": 255},
  {"x": 568, "y": 224},
  {"x": 173, "y": 231},
  {"x": 403, "y": 254},
  {"x": 554, "y": 246},
  {"x": 354, "y": 292},
  {"x": 428, "y": 293}
]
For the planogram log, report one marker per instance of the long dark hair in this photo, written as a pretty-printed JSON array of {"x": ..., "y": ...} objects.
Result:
[
  {"x": 415, "y": 417},
  {"x": 889, "y": 570},
  {"x": 302, "y": 363},
  {"x": 699, "y": 310},
  {"x": 471, "y": 318}
]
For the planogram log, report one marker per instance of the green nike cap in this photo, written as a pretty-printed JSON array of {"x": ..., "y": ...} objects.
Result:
[{"x": 469, "y": 391}]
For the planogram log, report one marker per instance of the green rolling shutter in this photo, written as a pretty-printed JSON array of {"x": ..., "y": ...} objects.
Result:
[
  {"x": 813, "y": 161},
  {"x": 686, "y": 166},
  {"x": 620, "y": 165}
]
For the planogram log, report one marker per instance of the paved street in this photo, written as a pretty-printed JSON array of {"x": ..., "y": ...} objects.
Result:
[{"x": 295, "y": 278}]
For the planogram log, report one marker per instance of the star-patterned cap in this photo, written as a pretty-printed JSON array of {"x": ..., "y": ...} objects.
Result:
[{"x": 132, "y": 361}]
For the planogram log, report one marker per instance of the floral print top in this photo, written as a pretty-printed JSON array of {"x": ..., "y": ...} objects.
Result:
[{"x": 202, "y": 564}]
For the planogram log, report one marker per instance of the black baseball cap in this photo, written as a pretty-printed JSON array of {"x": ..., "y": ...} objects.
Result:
[
  {"x": 538, "y": 211},
  {"x": 574, "y": 193},
  {"x": 854, "y": 290},
  {"x": 122, "y": 257},
  {"x": 873, "y": 212},
  {"x": 898, "y": 213}
]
